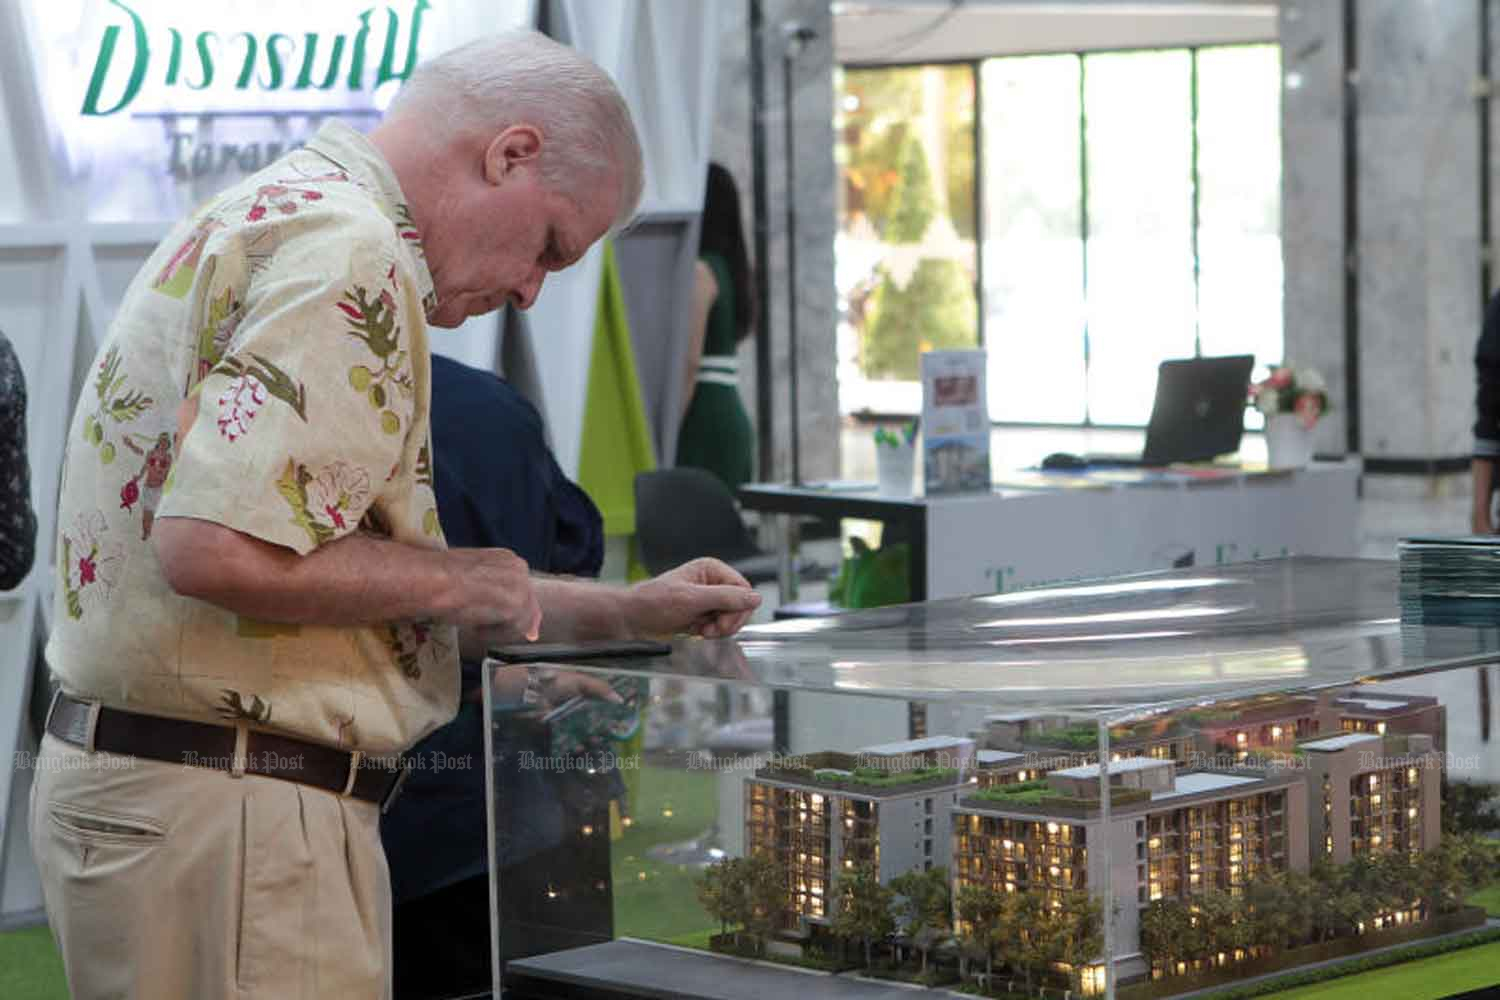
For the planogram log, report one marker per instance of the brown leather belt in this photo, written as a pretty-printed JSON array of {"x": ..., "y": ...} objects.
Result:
[{"x": 203, "y": 744}]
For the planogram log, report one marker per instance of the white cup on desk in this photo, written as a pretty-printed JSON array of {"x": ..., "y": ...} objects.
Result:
[{"x": 895, "y": 464}]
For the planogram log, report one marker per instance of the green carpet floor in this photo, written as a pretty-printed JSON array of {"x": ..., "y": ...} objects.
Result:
[{"x": 30, "y": 968}]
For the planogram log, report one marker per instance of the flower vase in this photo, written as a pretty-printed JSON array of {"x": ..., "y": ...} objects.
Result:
[{"x": 1288, "y": 443}]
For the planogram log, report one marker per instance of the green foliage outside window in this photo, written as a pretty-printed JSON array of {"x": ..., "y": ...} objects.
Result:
[
  {"x": 896, "y": 125},
  {"x": 915, "y": 203},
  {"x": 935, "y": 308},
  {"x": 935, "y": 311}
]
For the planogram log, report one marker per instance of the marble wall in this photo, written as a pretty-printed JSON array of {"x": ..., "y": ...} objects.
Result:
[
  {"x": 1417, "y": 198},
  {"x": 1312, "y": 209},
  {"x": 814, "y": 182}
]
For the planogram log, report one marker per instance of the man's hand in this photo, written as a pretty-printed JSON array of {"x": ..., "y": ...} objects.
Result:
[
  {"x": 494, "y": 591},
  {"x": 705, "y": 597}
]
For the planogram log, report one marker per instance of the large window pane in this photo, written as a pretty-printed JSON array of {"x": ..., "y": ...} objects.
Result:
[
  {"x": 1033, "y": 249},
  {"x": 905, "y": 258},
  {"x": 1140, "y": 270},
  {"x": 1239, "y": 235}
]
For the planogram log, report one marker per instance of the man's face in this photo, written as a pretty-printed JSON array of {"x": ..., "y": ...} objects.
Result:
[{"x": 502, "y": 241}]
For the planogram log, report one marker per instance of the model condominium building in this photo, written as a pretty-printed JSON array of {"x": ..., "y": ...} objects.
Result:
[
  {"x": 1169, "y": 834},
  {"x": 1221, "y": 736},
  {"x": 1172, "y": 832},
  {"x": 1389, "y": 713},
  {"x": 1372, "y": 793},
  {"x": 889, "y": 805}
]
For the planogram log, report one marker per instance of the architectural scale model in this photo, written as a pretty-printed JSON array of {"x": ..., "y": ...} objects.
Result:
[{"x": 1201, "y": 802}]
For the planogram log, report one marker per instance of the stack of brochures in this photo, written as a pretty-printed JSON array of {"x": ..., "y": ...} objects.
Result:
[{"x": 1450, "y": 581}]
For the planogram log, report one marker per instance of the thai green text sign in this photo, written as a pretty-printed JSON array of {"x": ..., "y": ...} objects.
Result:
[{"x": 169, "y": 59}]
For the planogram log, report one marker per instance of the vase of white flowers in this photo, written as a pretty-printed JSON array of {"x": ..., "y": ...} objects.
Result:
[{"x": 1293, "y": 401}]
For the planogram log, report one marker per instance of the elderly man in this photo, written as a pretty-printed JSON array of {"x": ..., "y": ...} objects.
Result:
[{"x": 238, "y": 669}]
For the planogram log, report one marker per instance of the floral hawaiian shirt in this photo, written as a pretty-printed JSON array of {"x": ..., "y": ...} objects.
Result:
[{"x": 268, "y": 370}]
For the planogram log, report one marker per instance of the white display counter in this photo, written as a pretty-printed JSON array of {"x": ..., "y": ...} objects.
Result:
[
  {"x": 1044, "y": 528},
  {"x": 1037, "y": 528}
]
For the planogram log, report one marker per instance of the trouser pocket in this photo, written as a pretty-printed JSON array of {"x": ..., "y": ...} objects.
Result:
[{"x": 94, "y": 827}]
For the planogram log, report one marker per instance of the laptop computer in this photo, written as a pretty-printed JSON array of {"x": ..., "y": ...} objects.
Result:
[{"x": 1198, "y": 414}]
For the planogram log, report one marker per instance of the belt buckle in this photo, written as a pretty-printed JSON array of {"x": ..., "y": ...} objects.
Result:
[{"x": 403, "y": 771}]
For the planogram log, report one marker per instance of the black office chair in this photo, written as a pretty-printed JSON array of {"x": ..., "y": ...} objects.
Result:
[{"x": 684, "y": 513}]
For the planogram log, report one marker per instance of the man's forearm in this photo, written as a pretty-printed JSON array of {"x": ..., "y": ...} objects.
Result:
[
  {"x": 575, "y": 610},
  {"x": 572, "y": 611},
  {"x": 357, "y": 580}
]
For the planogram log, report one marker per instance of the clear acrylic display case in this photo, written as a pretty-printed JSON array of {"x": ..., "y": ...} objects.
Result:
[{"x": 845, "y": 806}]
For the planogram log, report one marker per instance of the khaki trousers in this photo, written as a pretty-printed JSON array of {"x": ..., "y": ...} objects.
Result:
[{"x": 169, "y": 882}]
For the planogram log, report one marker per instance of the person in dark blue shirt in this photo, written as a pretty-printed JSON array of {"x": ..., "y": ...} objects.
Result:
[
  {"x": 497, "y": 485},
  {"x": 17, "y": 520}
]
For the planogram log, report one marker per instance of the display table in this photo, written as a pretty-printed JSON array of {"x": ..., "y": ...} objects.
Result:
[
  {"x": 1096, "y": 749},
  {"x": 1037, "y": 527},
  {"x": 629, "y": 968}
]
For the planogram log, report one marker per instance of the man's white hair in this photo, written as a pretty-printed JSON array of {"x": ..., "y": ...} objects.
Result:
[{"x": 491, "y": 83}]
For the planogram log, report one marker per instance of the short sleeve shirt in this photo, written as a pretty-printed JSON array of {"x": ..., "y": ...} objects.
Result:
[{"x": 268, "y": 371}]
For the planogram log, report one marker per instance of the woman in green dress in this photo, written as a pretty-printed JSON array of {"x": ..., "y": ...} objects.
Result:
[{"x": 716, "y": 434}]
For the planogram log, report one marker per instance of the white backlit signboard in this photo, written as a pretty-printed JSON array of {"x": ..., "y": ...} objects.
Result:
[{"x": 156, "y": 104}]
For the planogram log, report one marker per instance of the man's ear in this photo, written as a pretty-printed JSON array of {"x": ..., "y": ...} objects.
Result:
[{"x": 517, "y": 145}]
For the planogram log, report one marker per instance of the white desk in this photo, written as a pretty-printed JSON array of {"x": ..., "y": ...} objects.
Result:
[
  {"x": 1037, "y": 528},
  {"x": 1061, "y": 527}
]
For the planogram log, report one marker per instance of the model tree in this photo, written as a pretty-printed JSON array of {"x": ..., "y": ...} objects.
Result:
[
  {"x": 1445, "y": 873},
  {"x": 1268, "y": 910},
  {"x": 1221, "y": 917},
  {"x": 924, "y": 908},
  {"x": 1032, "y": 948},
  {"x": 864, "y": 908},
  {"x": 1300, "y": 890},
  {"x": 720, "y": 892},
  {"x": 1278, "y": 909},
  {"x": 1196, "y": 942},
  {"x": 1166, "y": 929},
  {"x": 764, "y": 895},
  {"x": 935, "y": 306},
  {"x": 745, "y": 892},
  {"x": 1078, "y": 931},
  {"x": 980, "y": 913},
  {"x": 1468, "y": 807},
  {"x": 1344, "y": 907}
]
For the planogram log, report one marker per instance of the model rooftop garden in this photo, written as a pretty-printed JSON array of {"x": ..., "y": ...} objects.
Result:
[
  {"x": 863, "y": 776},
  {"x": 1042, "y": 793}
]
